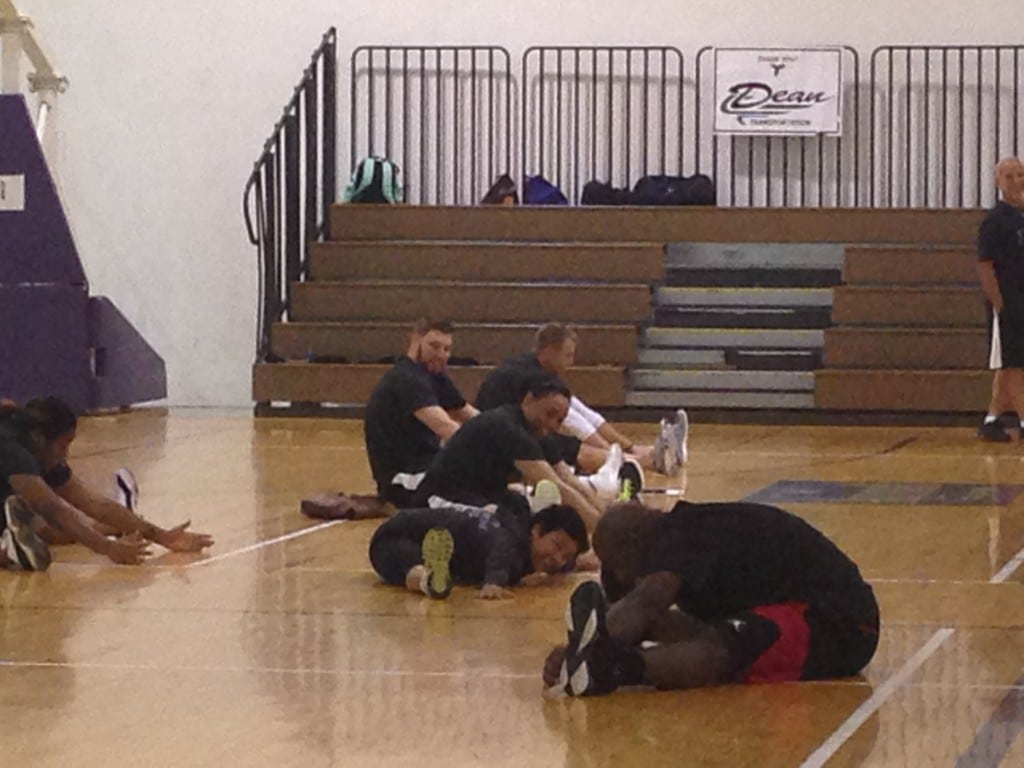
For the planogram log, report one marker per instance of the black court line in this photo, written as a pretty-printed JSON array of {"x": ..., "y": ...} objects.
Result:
[
  {"x": 897, "y": 446},
  {"x": 995, "y": 738}
]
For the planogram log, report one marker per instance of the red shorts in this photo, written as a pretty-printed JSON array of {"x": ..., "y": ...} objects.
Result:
[{"x": 785, "y": 658}]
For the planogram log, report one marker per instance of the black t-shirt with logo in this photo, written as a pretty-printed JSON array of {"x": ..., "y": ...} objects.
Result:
[
  {"x": 396, "y": 440},
  {"x": 479, "y": 460},
  {"x": 504, "y": 385},
  {"x": 736, "y": 556},
  {"x": 1001, "y": 241}
]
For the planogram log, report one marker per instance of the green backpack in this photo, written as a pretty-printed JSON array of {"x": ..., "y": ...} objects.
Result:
[{"x": 375, "y": 180}]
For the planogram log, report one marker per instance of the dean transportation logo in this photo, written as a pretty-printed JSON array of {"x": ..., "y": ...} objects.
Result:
[{"x": 754, "y": 103}]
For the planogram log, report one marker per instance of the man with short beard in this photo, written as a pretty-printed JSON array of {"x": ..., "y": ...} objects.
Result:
[{"x": 414, "y": 408}]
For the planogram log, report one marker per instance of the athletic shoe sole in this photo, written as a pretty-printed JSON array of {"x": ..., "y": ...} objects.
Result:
[
  {"x": 438, "y": 548},
  {"x": 585, "y": 618},
  {"x": 33, "y": 552},
  {"x": 545, "y": 495}
]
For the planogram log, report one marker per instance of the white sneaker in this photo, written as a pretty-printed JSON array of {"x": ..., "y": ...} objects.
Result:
[
  {"x": 126, "y": 489},
  {"x": 545, "y": 495},
  {"x": 680, "y": 431},
  {"x": 605, "y": 481},
  {"x": 665, "y": 455}
]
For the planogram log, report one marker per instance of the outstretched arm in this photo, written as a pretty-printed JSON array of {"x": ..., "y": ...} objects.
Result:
[
  {"x": 122, "y": 519},
  {"x": 59, "y": 514}
]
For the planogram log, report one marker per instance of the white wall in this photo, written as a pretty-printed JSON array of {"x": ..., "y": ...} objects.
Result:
[{"x": 170, "y": 103}]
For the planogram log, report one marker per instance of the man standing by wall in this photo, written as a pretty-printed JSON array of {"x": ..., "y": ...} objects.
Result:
[{"x": 1001, "y": 270}]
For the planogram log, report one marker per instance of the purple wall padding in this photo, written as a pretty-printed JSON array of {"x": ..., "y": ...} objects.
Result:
[
  {"x": 35, "y": 244},
  {"x": 44, "y": 345},
  {"x": 128, "y": 370}
]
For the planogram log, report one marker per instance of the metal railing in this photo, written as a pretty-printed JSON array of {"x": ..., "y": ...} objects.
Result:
[
  {"x": 940, "y": 118},
  {"x": 287, "y": 199},
  {"x": 602, "y": 113},
  {"x": 442, "y": 113}
]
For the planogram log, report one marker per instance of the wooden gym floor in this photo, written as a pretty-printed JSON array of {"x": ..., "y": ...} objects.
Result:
[{"x": 281, "y": 648}]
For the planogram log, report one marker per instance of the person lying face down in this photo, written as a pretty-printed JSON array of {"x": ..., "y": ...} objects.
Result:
[
  {"x": 709, "y": 594},
  {"x": 430, "y": 550}
]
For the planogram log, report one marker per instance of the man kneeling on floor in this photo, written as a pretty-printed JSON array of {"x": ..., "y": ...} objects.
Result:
[
  {"x": 429, "y": 550},
  {"x": 710, "y": 594}
]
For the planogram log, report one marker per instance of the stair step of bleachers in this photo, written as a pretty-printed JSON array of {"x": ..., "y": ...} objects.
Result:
[
  {"x": 787, "y": 381},
  {"x": 912, "y": 348},
  {"x": 488, "y": 343},
  {"x": 752, "y": 277},
  {"x": 910, "y": 265},
  {"x": 736, "y": 400},
  {"x": 295, "y": 382},
  {"x": 925, "y": 306},
  {"x": 488, "y": 261},
  {"x": 471, "y": 302},
  {"x": 657, "y": 224},
  {"x": 725, "y": 338},
  {"x": 948, "y": 391},
  {"x": 742, "y": 297},
  {"x": 741, "y": 317},
  {"x": 775, "y": 359}
]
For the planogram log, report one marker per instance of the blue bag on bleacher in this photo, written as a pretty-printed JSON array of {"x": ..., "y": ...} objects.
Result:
[{"x": 539, "y": 191}]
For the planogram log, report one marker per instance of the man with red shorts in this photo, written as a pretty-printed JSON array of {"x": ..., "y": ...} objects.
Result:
[{"x": 710, "y": 594}]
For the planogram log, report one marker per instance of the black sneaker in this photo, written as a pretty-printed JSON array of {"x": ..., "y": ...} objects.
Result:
[
  {"x": 20, "y": 543},
  {"x": 993, "y": 432},
  {"x": 585, "y": 672},
  {"x": 437, "y": 549}
]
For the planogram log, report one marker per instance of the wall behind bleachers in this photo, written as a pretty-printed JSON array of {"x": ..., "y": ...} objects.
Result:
[{"x": 170, "y": 102}]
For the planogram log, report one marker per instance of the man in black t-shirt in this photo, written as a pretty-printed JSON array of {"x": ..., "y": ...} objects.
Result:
[
  {"x": 414, "y": 408},
  {"x": 729, "y": 593},
  {"x": 427, "y": 550},
  {"x": 503, "y": 446},
  {"x": 585, "y": 436},
  {"x": 1001, "y": 270}
]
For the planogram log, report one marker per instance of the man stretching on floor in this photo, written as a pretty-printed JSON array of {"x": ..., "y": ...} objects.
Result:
[
  {"x": 502, "y": 446},
  {"x": 585, "y": 435},
  {"x": 710, "y": 594},
  {"x": 429, "y": 550}
]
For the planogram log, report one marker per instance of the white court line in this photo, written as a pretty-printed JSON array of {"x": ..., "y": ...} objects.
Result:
[
  {"x": 1008, "y": 570},
  {"x": 834, "y": 743},
  {"x": 262, "y": 544},
  {"x": 860, "y": 715}
]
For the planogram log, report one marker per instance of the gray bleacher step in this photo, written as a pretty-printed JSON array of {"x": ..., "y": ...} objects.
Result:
[
  {"x": 681, "y": 358},
  {"x": 746, "y": 278},
  {"x": 733, "y": 338},
  {"x": 780, "y": 381},
  {"x": 740, "y": 256},
  {"x": 690, "y": 399},
  {"x": 742, "y": 297}
]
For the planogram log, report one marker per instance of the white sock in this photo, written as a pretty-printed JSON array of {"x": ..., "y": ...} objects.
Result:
[{"x": 991, "y": 418}]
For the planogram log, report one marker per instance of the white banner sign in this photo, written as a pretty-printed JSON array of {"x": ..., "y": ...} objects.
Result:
[
  {"x": 12, "y": 193},
  {"x": 790, "y": 92}
]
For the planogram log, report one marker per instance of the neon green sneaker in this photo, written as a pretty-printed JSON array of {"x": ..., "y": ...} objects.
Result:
[{"x": 437, "y": 549}]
